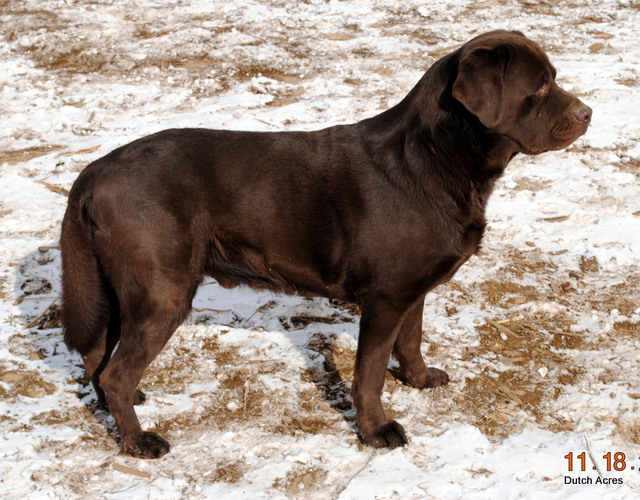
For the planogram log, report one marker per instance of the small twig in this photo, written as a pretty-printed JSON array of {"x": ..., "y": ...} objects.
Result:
[
  {"x": 268, "y": 123},
  {"x": 53, "y": 188},
  {"x": 35, "y": 321},
  {"x": 510, "y": 394},
  {"x": 503, "y": 329},
  {"x": 595, "y": 463},
  {"x": 401, "y": 58},
  {"x": 130, "y": 470},
  {"x": 245, "y": 398},
  {"x": 209, "y": 309},
  {"x": 38, "y": 297},
  {"x": 348, "y": 482},
  {"x": 79, "y": 152},
  {"x": 625, "y": 437},
  {"x": 577, "y": 335},
  {"x": 445, "y": 50},
  {"x": 482, "y": 472}
]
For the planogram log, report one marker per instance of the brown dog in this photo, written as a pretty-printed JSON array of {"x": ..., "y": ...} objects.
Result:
[{"x": 376, "y": 213}]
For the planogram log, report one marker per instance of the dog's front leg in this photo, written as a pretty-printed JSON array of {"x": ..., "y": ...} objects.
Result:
[
  {"x": 406, "y": 350},
  {"x": 379, "y": 327}
]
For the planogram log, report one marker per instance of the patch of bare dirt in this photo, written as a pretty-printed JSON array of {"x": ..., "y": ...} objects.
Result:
[
  {"x": 24, "y": 155},
  {"x": 532, "y": 345},
  {"x": 300, "y": 479},
  {"x": 23, "y": 382}
]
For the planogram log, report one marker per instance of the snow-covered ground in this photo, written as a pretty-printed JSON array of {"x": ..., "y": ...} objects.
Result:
[{"x": 539, "y": 332}]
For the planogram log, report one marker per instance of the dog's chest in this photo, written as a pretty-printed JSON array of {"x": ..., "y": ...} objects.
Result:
[
  {"x": 471, "y": 237},
  {"x": 461, "y": 248},
  {"x": 461, "y": 238},
  {"x": 473, "y": 221}
]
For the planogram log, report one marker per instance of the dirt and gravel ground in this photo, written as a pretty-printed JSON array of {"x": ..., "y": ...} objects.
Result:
[{"x": 539, "y": 332}]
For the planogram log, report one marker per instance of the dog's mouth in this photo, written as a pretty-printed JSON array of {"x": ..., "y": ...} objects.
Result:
[
  {"x": 567, "y": 134},
  {"x": 572, "y": 125},
  {"x": 561, "y": 136},
  {"x": 555, "y": 145}
]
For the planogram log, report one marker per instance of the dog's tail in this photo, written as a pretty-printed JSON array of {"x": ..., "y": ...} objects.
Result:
[{"x": 85, "y": 306}]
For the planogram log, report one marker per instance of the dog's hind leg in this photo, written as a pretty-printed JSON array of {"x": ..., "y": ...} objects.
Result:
[
  {"x": 96, "y": 360},
  {"x": 150, "y": 314}
]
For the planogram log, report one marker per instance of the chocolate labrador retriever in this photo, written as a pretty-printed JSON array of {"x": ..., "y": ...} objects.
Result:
[{"x": 375, "y": 213}]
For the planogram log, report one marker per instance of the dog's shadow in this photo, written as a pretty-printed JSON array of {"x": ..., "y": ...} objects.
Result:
[
  {"x": 38, "y": 293},
  {"x": 316, "y": 327}
]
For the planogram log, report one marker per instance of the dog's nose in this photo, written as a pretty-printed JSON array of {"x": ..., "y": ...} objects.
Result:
[{"x": 583, "y": 113}]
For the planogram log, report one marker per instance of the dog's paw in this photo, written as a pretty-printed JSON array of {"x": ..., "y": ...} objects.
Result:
[
  {"x": 435, "y": 378},
  {"x": 390, "y": 435},
  {"x": 147, "y": 445},
  {"x": 427, "y": 378}
]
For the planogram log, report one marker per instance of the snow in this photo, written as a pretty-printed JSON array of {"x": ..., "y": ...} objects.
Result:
[{"x": 252, "y": 391}]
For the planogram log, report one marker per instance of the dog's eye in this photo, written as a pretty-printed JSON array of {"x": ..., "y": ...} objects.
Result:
[
  {"x": 542, "y": 91},
  {"x": 535, "y": 97}
]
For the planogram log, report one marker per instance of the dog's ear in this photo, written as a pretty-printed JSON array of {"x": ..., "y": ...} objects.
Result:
[{"x": 479, "y": 86}]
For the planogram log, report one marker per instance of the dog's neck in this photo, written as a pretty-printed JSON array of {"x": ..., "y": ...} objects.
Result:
[{"x": 406, "y": 140}]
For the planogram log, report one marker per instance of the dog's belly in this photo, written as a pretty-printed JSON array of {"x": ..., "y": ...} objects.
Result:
[{"x": 306, "y": 274}]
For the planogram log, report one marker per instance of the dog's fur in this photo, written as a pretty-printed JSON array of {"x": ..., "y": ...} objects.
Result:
[{"x": 376, "y": 213}]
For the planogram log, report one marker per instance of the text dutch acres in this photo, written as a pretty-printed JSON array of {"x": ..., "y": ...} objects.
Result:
[{"x": 590, "y": 480}]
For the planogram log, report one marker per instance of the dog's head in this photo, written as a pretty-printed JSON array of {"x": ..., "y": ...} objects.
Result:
[{"x": 508, "y": 83}]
